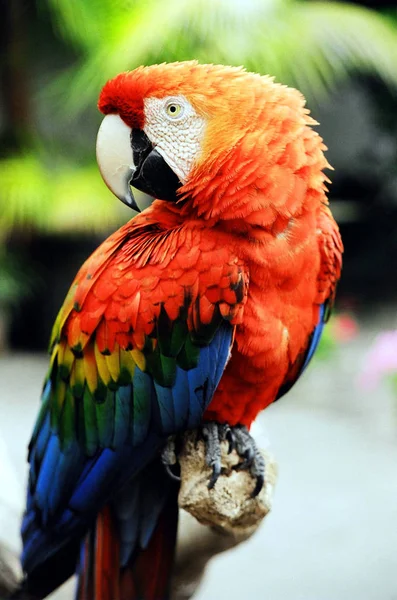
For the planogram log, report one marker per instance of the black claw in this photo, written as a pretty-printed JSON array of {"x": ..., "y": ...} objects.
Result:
[
  {"x": 170, "y": 473},
  {"x": 230, "y": 439},
  {"x": 216, "y": 471},
  {"x": 259, "y": 485}
]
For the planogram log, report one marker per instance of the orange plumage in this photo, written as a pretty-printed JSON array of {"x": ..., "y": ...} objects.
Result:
[
  {"x": 206, "y": 306},
  {"x": 257, "y": 194}
]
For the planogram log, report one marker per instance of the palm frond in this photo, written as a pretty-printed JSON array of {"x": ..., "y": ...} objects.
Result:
[
  {"x": 80, "y": 23},
  {"x": 332, "y": 40},
  {"x": 311, "y": 45}
]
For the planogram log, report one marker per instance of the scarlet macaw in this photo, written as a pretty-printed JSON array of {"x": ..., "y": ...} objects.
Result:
[{"x": 201, "y": 310}]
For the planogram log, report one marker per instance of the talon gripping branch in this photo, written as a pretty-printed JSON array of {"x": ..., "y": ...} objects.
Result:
[{"x": 206, "y": 307}]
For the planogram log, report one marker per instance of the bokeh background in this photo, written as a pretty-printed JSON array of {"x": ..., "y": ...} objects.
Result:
[{"x": 332, "y": 533}]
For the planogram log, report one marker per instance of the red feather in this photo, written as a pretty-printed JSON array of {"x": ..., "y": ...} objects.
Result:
[
  {"x": 99, "y": 571},
  {"x": 148, "y": 574}
]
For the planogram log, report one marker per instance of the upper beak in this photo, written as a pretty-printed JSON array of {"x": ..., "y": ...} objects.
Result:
[
  {"x": 127, "y": 157},
  {"x": 115, "y": 158}
]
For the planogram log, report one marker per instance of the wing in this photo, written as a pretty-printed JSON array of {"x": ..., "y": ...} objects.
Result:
[
  {"x": 331, "y": 249},
  {"x": 136, "y": 354}
]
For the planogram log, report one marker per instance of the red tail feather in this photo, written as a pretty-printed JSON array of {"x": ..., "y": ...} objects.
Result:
[
  {"x": 99, "y": 574},
  {"x": 146, "y": 577}
]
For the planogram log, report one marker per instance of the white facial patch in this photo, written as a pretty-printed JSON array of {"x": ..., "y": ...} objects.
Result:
[{"x": 176, "y": 131}]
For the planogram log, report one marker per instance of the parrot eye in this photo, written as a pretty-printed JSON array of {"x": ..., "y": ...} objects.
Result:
[
  {"x": 175, "y": 130},
  {"x": 174, "y": 110}
]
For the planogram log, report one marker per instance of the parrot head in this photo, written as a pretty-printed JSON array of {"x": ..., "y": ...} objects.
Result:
[{"x": 218, "y": 136}]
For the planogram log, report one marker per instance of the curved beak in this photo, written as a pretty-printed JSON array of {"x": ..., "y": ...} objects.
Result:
[
  {"x": 127, "y": 157},
  {"x": 115, "y": 159}
]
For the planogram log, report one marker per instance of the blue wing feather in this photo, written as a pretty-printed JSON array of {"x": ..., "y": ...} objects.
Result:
[
  {"x": 85, "y": 482},
  {"x": 316, "y": 336},
  {"x": 163, "y": 409},
  {"x": 180, "y": 391},
  {"x": 143, "y": 390},
  {"x": 122, "y": 414}
]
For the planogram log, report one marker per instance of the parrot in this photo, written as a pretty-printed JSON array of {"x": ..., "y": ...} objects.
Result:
[{"x": 198, "y": 313}]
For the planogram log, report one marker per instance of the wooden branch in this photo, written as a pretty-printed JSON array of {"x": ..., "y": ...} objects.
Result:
[
  {"x": 220, "y": 518},
  {"x": 229, "y": 506}
]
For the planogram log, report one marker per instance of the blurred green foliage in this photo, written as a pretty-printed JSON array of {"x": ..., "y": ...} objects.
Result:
[
  {"x": 314, "y": 46},
  {"x": 16, "y": 280},
  {"x": 53, "y": 195},
  {"x": 310, "y": 45},
  {"x": 48, "y": 178}
]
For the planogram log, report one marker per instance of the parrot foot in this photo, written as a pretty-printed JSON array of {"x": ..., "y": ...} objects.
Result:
[
  {"x": 253, "y": 460},
  {"x": 169, "y": 459},
  {"x": 239, "y": 440},
  {"x": 213, "y": 433}
]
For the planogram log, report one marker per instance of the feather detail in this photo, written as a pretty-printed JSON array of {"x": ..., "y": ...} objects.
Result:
[
  {"x": 103, "y": 370},
  {"x": 99, "y": 561},
  {"x": 105, "y": 419},
  {"x": 127, "y": 366},
  {"x": 90, "y": 367},
  {"x": 139, "y": 359},
  {"x": 77, "y": 378},
  {"x": 91, "y": 435},
  {"x": 122, "y": 415},
  {"x": 113, "y": 363},
  {"x": 141, "y": 410},
  {"x": 67, "y": 361}
]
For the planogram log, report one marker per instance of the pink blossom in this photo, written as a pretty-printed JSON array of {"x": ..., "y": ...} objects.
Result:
[
  {"x": 380, "y": 360},
  {"x": 344, "y": 327}
]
